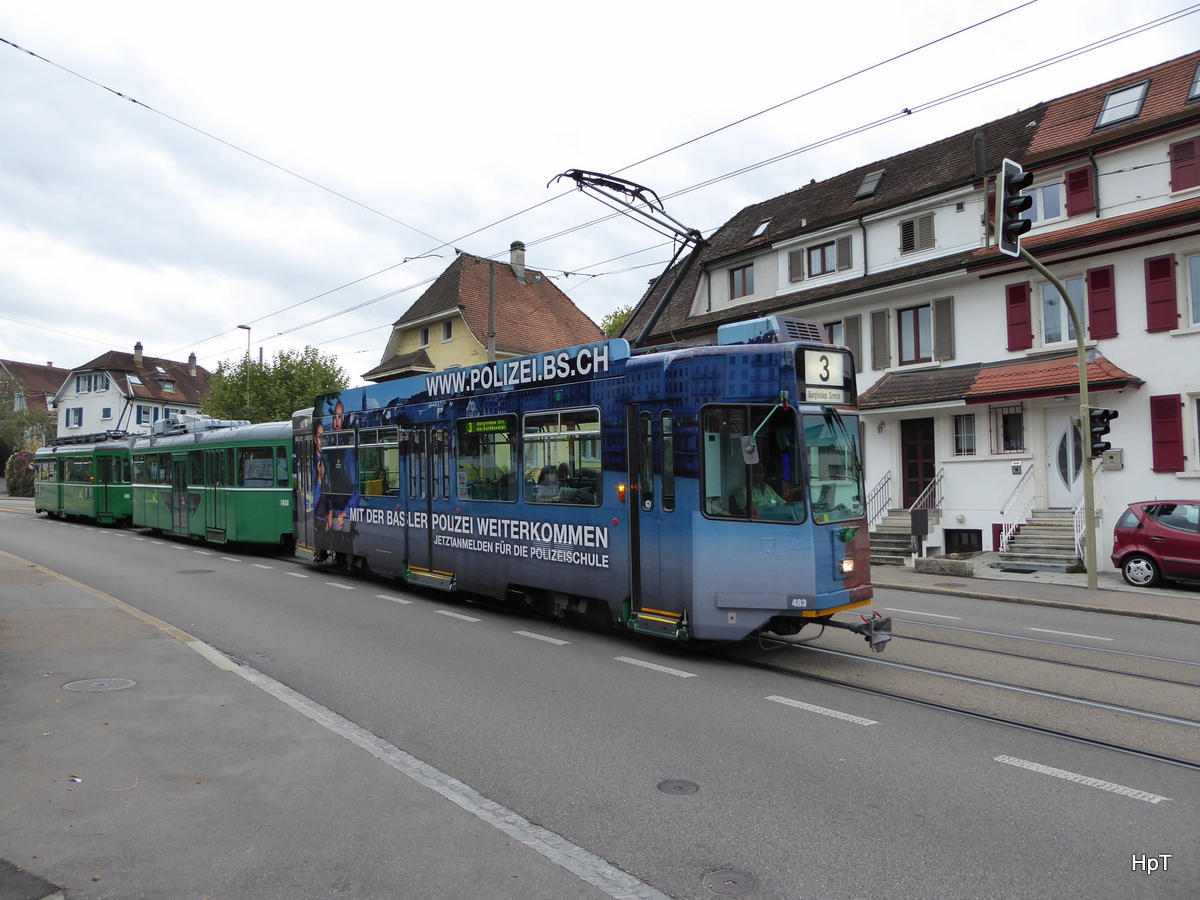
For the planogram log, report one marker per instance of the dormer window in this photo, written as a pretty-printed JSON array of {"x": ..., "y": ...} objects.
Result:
[
  {"x": 1122, "y": 105},
  {"x": 166, "y": 385},
  {"x": 761, "y": 229}
]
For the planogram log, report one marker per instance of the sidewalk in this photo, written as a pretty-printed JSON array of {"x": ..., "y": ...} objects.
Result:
[
  {"x": 1173, "y": 603},
  {"x": 139, "y": 762}
]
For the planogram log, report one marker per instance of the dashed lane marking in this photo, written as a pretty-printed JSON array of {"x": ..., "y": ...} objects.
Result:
[
  {"x": 399, "y": 600},
  {"x": 666, "y": 670},
  {"x": 541, "y": 637},
  {"x": 1083, "y": 779},
  {"x": 832, "y": 713},
  {"x": 914, "y": 612},
  {"x": 1090, "y": 637},
  {"x": 454, "y": 615}
]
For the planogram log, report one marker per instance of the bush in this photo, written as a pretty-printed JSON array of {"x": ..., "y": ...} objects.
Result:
[{"x": 19, "y": 472}]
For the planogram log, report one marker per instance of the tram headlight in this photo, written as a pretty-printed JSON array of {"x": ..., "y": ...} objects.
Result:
[{"x": 847, "y": 566}]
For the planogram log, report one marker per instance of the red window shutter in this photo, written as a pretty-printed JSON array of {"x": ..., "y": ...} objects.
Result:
[
  {"x": 1162, "y": 308},
  {"x": 1185, "y": 164},
  {"x": 1017, "y": 312},
  {"x": 1166, "y": 432},
  {"x": 1080, "y": 196},
  {"x": 1101, "y": 303}
]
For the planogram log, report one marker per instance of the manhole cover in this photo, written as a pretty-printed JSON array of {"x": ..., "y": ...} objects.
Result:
[
  {"x": 730, "y": 882},
  {"x": 676, "y": 786},
  {"x": 196, "y": 572},
  {"x": 100, "y": 684}
]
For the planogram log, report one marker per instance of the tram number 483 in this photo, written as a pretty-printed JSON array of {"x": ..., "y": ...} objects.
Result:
[{"x": 798, "y": 602}]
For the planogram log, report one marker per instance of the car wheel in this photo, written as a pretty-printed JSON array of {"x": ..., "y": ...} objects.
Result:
[{"x": 1140, "y": 571}]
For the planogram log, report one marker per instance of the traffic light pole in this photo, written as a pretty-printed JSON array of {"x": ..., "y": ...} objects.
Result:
[{"x": 1089, "y": 501}]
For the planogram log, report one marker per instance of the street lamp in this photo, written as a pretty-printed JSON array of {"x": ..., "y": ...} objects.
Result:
[{"x": 247, "y": 328}]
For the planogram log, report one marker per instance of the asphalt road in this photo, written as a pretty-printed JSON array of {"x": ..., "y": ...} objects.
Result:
[{"x": 804, "y": 790}]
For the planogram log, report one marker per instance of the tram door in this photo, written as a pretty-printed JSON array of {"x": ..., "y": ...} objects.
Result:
[
  {"x": 179, "y": 495},
  {"x": 655, "y": 530},
  {"x": 429, "y": 485},
  {"x": 216, "y": 477}
]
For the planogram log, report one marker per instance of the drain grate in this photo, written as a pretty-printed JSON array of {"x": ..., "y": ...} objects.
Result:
[
  {"x": 92, "y": 685},
  {"x": 678, "y": 786},
  {"x": 730, "y": 882}
]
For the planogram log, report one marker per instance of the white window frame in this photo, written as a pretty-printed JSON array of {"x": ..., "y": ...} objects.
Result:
[
  {"x": 922, "y": 234},
  {"x": 423, "y": 337},
  {"x": 1037, "y": 213},
  {"x": 74, "y": 417},
  {"x": 1122, "y": 105},
  {"x": 106, "y": 413},
  {"x": 996, "y": 417},
  {"x": 1077, "y": 287},
  {"x": 1193, "y": 295},
  {"x": 447, "y": 330},
  {"x": 966, "y": 441}
]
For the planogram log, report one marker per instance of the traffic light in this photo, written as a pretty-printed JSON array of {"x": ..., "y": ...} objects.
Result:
[
  {"x": 1010, "y": 203},
  {"x": 1098, "y": 420}
]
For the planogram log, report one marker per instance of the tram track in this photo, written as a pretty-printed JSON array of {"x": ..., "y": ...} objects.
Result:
[{"x": 1151, "y": 716}]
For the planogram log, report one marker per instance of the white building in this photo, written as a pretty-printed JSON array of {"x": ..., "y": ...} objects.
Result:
[
  {"x": 128, "y": 392},
  {"x": 966, "y": 357}
]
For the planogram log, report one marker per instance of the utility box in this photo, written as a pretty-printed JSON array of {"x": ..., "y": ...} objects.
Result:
[
  {"x": 919, "y": 530},
  {"x": 1112, "y": 460}
]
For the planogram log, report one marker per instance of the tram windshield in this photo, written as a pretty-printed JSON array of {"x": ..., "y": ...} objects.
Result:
[{"x": 831, "y": 448}]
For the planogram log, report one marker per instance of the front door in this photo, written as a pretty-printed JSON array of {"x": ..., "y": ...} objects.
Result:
[
  {"x": 1064, "y": 459},
  {"x": 917, "y": 461}
]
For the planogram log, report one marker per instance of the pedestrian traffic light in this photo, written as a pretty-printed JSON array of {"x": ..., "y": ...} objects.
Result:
[
  {"x": 1010, "y": 203},
  {"x": 1098, "y": 420}
]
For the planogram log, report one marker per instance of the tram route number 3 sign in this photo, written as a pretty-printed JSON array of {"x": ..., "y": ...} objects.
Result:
[{"x": 824, "y": 376}]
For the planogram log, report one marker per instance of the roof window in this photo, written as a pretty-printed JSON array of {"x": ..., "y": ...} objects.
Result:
[
  {"x": 869, "y": 184},
  {"x": 761, "y": 229},
  {"x": 1122, "y": 105},
  {"x": 1194, "y": 93}
]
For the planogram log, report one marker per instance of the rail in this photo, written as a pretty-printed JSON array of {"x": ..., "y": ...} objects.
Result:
[
  {"x": 879, "y": 500},
  {"x": 931, "y": 497},
  {"x": 1018, "y": 506}
]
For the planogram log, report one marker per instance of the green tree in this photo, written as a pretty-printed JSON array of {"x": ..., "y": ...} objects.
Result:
[
  {"x": 271, "y": 391},
  {"x": 615, "y": 320},
  {"x": 25, "y": 427}
]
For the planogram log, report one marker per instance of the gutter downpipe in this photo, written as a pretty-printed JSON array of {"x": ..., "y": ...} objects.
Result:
[{"x": 1089, "y": 501}]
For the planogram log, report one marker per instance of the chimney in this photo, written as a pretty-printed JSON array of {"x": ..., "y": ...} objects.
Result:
[
  {"x": 137, "y": 355},
  {"x": 192, "y": 364},
  {"x": 49, "y": 364},
  {"x": 516, "y": 253}
]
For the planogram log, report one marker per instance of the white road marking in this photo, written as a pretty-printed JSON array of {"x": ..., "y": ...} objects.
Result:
[
  {"x": 1090, "y": 637},
  {"x": 1082, "y": 779},
  {"x": 913, "y": 612},
  {"x": 202, "y": 552},
  {"x": 340, "y": 586},
  {"x": 261, "y": 566},
  {"x": 296, "y": 574},
  {"x": 541, "y": 637},
  {"x": 657, "y": 668},
  {"x": 400, "y": 600},
  {"x": 454, "y": 615},
  {"x": 833, "y": 713},
  {"x": 231, "y": 558},
  {"x": 139, "y": 539}
]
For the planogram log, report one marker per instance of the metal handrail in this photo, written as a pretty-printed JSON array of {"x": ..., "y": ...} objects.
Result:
[
  {"x": 1079, "y": 513},
  {"x": 1018, "y": 506},
  {"x": 879, "y": 500},
  {"x": 931, "y": 497}
]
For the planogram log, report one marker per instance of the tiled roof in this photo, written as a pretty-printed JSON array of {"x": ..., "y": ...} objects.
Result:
[
  {"x": 399, "y": 366},
  {"x": 39, "y": 383},
  {"x": 530, "y": 317},
  {"x": 1070, "y": 123},
  {"x": 994, "y": 382},
  {"x": 189, "y": 388}
]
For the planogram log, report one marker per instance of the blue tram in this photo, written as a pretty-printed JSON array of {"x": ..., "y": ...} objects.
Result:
[{"x": 703, "y": 493}]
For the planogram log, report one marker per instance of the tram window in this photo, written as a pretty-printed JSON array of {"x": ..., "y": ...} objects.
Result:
[
  {"x": 486, "y": 459},
  {"x": 646, "y": 480},
  {"x": 835, "y": 470},
  {"x": 445, "y": 437},
  {"x": 104, "y": 470},
  {"x": 767, "y": 491},
  {"x": 44, "y": 470},
  {"x": 79, "y": 470},
  {"x": 562, "y": 457},
  {"x": 195, "y": 467},
  {"x": 668, "y": 462},
  {"x": 283, "y": 476},
  {"x": 255, "y": 467}
]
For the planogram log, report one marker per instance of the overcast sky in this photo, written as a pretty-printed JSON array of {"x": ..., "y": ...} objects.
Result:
[{"x": 283, "y": 160}]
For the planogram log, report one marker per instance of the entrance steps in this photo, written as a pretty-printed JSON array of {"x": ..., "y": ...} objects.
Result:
[
  {"x": 1045, "y": 543},
  {"x": 891, "y": 539}
]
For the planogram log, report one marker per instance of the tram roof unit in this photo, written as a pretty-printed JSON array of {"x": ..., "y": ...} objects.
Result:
[{"x": 204, "y": 430}]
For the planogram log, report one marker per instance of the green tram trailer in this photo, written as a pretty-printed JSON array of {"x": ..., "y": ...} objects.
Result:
[
  {"x": 216, "y": 480},
  {"x": 85, "y": 476}
]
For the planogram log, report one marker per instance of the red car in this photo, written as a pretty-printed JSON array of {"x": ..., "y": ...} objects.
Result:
[{"x": 1158, "y": 539}]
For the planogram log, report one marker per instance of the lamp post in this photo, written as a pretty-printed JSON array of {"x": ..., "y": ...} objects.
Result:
[{"x": 247, "y": 328}]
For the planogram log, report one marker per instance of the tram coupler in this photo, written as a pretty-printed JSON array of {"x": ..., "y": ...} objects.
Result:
[{"x": 876, "y": 629}]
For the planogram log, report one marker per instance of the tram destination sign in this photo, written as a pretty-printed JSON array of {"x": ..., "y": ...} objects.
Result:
[{"x": 825, "y": 376}]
